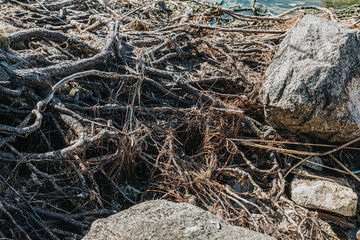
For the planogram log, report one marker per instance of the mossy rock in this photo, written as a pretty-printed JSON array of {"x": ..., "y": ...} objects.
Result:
[{"x": 4, "y": 42}]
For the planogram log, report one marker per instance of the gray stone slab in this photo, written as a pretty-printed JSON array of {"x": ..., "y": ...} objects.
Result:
[
  {"x": 324, "y": 195},
  {"x": 161, "y": 219}
]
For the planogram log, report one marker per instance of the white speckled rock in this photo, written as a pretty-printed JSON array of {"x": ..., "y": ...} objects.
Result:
[
  {"x": 313, "y": 83},
  {"x": 161, "y": 219},
  {"x": 324, "y": 195}
]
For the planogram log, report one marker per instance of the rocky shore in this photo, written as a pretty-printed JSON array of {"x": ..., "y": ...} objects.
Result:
[{"x": 177, "y": 120}]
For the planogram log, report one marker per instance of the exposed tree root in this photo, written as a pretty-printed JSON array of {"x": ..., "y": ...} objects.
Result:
[{"x": 109, "y": 105}]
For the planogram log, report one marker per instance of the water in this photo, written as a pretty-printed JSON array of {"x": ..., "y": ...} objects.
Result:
[{"x": 277, "y": 6}]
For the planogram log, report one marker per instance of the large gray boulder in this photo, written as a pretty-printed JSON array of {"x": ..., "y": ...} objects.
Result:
[
  {"x": 161, "y": 219},
  {"x": 313, "y": 84},
  {"x": 324, "y": 195}
]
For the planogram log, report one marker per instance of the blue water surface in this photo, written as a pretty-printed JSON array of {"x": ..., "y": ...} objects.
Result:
[{"x": 276, "y": 6}]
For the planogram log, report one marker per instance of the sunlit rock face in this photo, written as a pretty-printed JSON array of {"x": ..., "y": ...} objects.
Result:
[
  {"x": 313, "y": 84},
  {"x": 162, "y": 219},
  {"x": 324, "y": 195}
]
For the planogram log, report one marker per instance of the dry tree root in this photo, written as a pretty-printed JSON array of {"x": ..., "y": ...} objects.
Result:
[{"x": 106, "y": 102}]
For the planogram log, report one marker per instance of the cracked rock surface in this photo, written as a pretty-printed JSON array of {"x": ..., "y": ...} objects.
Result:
[
  {"x": 312, "y": 84},
  {"x": 162, "y": 219},
  {"x": 324, "y": 195}
]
